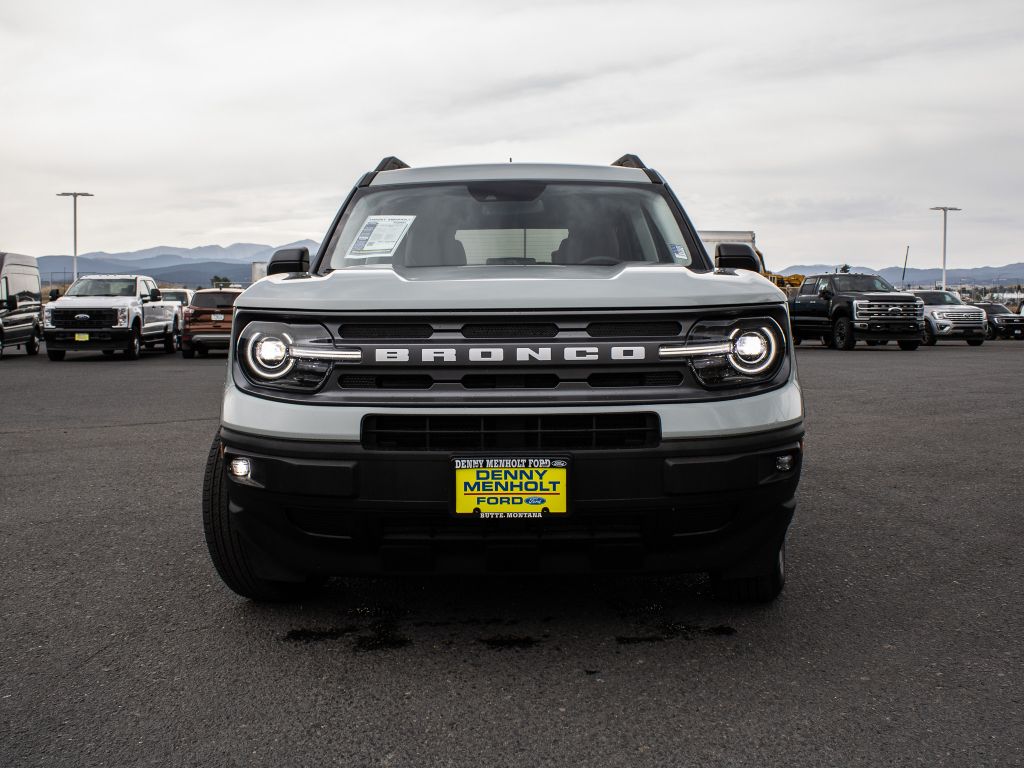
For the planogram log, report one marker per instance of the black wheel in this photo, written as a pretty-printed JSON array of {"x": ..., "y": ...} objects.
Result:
[
  {"x": 872, "y": 343},
  {"x": 975, "y": 342},
  {"x": 56, "y": 354},
  {"x": 991, "y": 334},
  {"x": 909, "y": 346},
  {"x": 927, "y": 336},
  {"x": 171, "y": 340},
  {"x": 762, "y": 588},
  {"x": 32, "y": 345},
  {"x": 227, "y": 549},
  {"x": 842, "y": 332},
  {"x": 797, "y": 341},
  {"x": 188, "y": 353},
  {"x": 108, "y": 353},
  {"x": 203, "y": 352},
  {"x": 134, "y": 348}
]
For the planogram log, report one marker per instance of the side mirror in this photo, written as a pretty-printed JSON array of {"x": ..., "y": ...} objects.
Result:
[
  {"x": 155, "y": 295},
  {"x": 289, "y": 260},
  {"x": 736, "y": 256},
  {"x": 54, "y": 294},
  {"x": 11, "y": 303}
]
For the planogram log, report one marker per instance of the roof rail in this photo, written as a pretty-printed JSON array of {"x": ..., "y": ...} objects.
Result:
[
  {"x": 390, "y": 163},
  {"x": 630, "y": 161}
]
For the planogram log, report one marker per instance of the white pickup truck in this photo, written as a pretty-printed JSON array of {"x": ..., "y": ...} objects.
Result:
[{"x": 111, "y": 312}]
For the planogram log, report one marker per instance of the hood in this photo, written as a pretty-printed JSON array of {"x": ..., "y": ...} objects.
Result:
[
  {"x": 894, "y": 297},
  {"x": 510, "y": 288},
  {"x": 74, "y": 302}
]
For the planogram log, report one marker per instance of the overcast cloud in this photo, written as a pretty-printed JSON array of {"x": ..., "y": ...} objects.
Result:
[{"x": 829, "y": 128}]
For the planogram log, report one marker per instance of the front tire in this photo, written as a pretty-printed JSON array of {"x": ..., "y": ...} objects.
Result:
[
  {"x": 762, "y": 588},
  {"x": 188, "y": 353},
  {"x": 134, "y": 348},
  {"x": 909, "y": 346},
  {"x": 842, "y": 332},
  {"x": 32, "y": 345},
  {"x": 928, "y": 336},
  {"x": 227, "y": 549},
  {"x": 975, "y": 342},
  {"x": 56, "y": 354}
]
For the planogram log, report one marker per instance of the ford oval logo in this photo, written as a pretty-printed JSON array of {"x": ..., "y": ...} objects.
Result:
[
  {"x": 81, "y": 317},
  {"x": 535, "y": 500},
  {"x": 559, "y": 463}
]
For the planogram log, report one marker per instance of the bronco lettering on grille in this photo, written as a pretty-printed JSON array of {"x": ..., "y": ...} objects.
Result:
[{"x": 571, "y": 354}]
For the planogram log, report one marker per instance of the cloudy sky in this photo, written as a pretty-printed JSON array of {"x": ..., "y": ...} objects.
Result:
[{"x": 829, "y": 128}]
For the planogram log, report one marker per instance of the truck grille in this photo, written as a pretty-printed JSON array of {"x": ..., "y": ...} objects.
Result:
[
  {"x": 880, "y": 310},
  {"x": 549, "y": 432},
  {"x": 964, "y": 316},
  {"x": 94, "y": 318}
]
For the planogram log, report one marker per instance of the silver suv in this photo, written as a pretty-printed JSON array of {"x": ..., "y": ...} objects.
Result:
[
  {"x": 947, "y": 317},
  {"x": 506, "y": 368}
]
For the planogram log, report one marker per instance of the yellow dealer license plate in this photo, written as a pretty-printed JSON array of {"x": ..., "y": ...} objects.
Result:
[
  {"x": 81, "y": 337},
  {"x": 511, "y": 487}
]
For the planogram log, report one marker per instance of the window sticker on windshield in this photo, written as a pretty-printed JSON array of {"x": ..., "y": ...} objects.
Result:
[
  {"x": 379, "y": 236},
  {"x": 679, "y": 251}
]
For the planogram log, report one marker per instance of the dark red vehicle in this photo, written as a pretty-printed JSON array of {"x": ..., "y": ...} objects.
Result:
[{"x": 208, "y": 321}]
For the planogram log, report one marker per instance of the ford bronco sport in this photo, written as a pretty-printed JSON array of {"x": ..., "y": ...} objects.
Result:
[{"x": 506, "y": 368}]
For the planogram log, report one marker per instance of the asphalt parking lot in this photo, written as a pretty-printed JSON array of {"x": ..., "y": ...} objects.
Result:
[{"x": 896, "y": 642}]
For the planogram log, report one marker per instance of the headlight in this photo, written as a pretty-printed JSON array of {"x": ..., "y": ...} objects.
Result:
[
  {"x": 122, "y": 317},
  {"x": 732, "y": 353},
  {"x": 47, "y": 317},
  {"x": 283, "y": 356},
  {"x": 995, "y": 320}
]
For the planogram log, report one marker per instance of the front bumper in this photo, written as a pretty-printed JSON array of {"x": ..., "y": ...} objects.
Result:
[
  {"x": 947, "y": 329},
  {"x": 99, "y": 338},
  {"x": 334, "y": 508},
  {"x": 1008, "y": 330},
  {"x": 887, "y": 330}
]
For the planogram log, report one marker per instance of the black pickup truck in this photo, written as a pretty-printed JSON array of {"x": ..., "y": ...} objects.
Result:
[{"x": 842, "y": 309}]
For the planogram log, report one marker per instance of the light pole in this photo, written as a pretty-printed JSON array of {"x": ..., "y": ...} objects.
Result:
[
  {"x": 74, "y": 196},
  {"x": 945, "y": 212}
]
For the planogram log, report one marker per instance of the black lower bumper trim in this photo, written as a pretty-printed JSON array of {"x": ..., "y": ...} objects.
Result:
[{"x": 686, "y": 505}]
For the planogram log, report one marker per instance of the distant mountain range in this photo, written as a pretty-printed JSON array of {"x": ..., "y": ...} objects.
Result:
[
  {"x": 1011, "y": 274},
  {"x": 170, "y": 265}
]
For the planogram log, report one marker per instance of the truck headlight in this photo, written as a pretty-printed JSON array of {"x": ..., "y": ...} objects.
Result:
[
  {"x": 122, "y": 317},
  {"x": 732, "y": 353},
  {"x": 285, "y": 356},
  {"x": 48, "y": 317}
]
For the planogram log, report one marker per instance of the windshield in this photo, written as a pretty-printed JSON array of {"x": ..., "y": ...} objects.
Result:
[
  {"x": 508, "y": 223},
  {"x": 996, "y": 309},
  {"x": 215, "y": 300},
  {"x": 174, "y": 295},
  {"x": 90, "y": 286},
  {"x": 938, "y": 298},
  {"x": 861, "y": 284}
]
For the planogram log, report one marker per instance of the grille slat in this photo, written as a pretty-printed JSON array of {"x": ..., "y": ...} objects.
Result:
[
  {"x": 552, "y": 432},
  {"x": 877, "y": 310}
]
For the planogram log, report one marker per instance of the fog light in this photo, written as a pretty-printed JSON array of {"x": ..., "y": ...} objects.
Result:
[
  {"x": 240, "y": 468},
  {"x": 782, "y": 463}
]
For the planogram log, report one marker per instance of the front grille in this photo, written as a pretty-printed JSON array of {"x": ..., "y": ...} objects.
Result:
[
  {"x": 97, "y": 318},
  {"x": 387, "y": 381},
  {"x": 881, "y": 310},
  {"x": 510, "y": 330},
  {"x": 963, "y": 315},
  {"x": 510, "y": 381},
  {"x": 550, "y": 432},
  {"x": 630, "y": 379},
  {"x": 386, "y": 331},
  {"x": 627, "y": 330}
]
